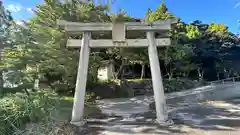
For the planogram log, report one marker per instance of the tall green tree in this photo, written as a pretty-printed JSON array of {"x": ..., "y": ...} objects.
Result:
[
  {"x": 209, "y": 43},
  {"x": 5, "y": 23},
  {"x": 171, "y": 55},
  {"x": 44, "y": 43},
  {"x": 161, "y": 13}
]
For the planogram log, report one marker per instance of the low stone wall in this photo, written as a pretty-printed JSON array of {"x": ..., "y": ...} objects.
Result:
[{"x": 201, "y": 94}]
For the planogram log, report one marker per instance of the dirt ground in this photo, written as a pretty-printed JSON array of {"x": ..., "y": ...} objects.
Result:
[{"x": 208, "y": 118}]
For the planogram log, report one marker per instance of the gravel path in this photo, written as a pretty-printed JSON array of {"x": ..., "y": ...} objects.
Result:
[{"x": 210, "y": 118}]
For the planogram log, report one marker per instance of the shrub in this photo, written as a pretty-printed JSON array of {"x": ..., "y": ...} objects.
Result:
[
  {"x": 125, "y": 90},
  {"x": 173, "y": 85},
  {"x": 180, "y": 84},
  {"x": 18, "y": 109},
  {"x": 111, "y": 89},
  {"x": 41, "y": 112}
]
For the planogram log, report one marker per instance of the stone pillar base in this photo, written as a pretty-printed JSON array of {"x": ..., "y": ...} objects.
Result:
[
  {"x": 168, "y": 122},
  {"x": 78, "y": 123}
]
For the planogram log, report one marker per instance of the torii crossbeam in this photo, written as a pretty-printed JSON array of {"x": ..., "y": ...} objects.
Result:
[{"x": 118, "y": 40}]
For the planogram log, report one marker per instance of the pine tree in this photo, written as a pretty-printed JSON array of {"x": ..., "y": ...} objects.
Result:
[
  {"x": 57, "y": 64},
  {"x": 5, "y": 23},
  {"x": 161, "y": 13}
]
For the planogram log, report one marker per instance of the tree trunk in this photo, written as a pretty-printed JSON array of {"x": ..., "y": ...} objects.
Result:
[
  {"x": 26, "y": 91},
  {"x": 36, "y": 81},
  {"x": 218, "y": 75},
  {"x": 225, "y": 73},
  {"x": 200, "y": 74},
  {"x": 170, "y": 73},
  {"x": 229, "y": 73},
  {"x": 95, "y": 74},
  {"x": 143, "y": 71},
  {"x": 1, "y": 70},
  {"x": 122, "y": 73},
  {"x": 170, "y": 76},
  {"x": 119, "y": 71}
]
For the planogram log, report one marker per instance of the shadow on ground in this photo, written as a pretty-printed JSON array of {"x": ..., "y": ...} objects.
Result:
[
  {"x": 207, "y": 116},
  {"x": 213, "y": 115},
  {"x": 119, "y": 127}
]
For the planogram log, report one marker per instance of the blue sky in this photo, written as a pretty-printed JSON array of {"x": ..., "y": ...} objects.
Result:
[{"x": 219, "y": 11}]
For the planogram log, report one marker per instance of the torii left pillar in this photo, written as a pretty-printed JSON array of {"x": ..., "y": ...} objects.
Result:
[{"x": 79, "y": 96}]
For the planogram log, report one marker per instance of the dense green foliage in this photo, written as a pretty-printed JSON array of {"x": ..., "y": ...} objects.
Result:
[
  {"x": 199, "y": 51},
  {"x": 179, "y": 84},
  {"x": 18, "y": 109},
  {"x": 5, "y": 23},
  {"x": 112, "y": 89}
]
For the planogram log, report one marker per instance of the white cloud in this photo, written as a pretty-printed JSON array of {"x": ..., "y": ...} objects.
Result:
[
  {"x": 19, "y": 22},
  {"x": 14, "y": 7},
  {"x": 237, "y": 5},
  {"x": 30, "y": 10}
]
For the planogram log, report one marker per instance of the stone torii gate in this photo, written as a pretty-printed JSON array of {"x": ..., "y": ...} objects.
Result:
[{"x": 118, "y": 40}]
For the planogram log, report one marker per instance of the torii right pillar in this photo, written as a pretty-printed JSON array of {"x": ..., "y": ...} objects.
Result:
[{"x": 160, "y": 103}]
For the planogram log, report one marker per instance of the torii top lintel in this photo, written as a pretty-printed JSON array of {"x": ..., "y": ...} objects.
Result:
[
  {"x": 118, "y": 30},
  {"x": 140, "y": 26}
]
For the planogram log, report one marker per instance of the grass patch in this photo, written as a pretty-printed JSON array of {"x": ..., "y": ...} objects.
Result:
[
  {"x": 41, "y": 113},
  {"x": 18, "y": 109}
]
